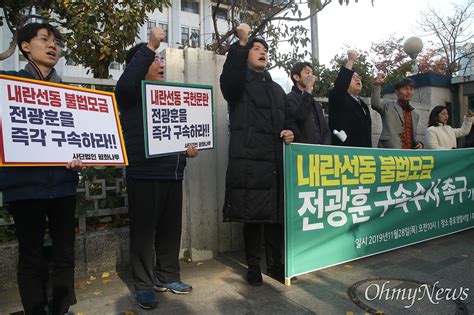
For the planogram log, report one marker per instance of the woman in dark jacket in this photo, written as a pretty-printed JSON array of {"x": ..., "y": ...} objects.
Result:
[{"x": 258, "y": 126}]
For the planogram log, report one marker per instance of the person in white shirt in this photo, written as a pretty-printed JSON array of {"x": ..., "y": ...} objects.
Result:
[{"x": 440, "y": 135}]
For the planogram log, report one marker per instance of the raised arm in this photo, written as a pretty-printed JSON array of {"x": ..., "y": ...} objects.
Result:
[
  {"x": 466, "y": 125},
  {"x": 375, "y": 96},
  {"x": 344, "y": 76},
  {"x": 129, "y": 84},
  {"x": 232, "y": 79},
  {"x": 338, "y": 116}
]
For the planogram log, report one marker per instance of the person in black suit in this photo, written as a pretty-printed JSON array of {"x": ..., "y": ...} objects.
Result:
[
  {"x": 308, "y": 113},
  {"x": 347, "y": 111}
]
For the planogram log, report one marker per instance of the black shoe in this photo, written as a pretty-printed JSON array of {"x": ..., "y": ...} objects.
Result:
[{"x": 254, "y": 276}]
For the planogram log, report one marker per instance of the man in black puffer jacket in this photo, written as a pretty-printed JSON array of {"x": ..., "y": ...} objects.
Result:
[
  {"x": 34, "y": 194},
  {"x": 154, "y": 185},
  {"x": 258, "y": 127}
]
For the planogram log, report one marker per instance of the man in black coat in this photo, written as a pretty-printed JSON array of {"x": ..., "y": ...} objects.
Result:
[
  {"x": 347, "y": 111},
  {"x": 154, "y": 185},
  {"x": 309, "y": 116},
  {"x": 258, "y": 128}
]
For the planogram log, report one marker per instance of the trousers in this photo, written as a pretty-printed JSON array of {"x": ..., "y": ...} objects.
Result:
[
  {"x": 33, "y": 270},
  {"x": 273, "y": 240},
  {"x": 155, "y": 212}
]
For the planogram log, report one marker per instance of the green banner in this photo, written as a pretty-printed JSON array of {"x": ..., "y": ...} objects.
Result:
[{"x": 347, "y": 203}]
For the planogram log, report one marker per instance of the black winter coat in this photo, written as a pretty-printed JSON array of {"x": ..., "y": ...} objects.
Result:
[
  {"x": 309, "y": 116},
  {"x": 254, "y": 182},
  {"x": 345, "y": 113},
  {"x": 29, "y": 183},
  {"x": 129, "y": 100}
]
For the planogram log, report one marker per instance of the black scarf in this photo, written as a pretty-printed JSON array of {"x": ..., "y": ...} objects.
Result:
[{"x": 406, "y": 106}]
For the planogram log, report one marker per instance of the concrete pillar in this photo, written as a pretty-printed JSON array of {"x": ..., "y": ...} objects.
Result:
[
  {"x": 175, "y": 28},
  {"x": 204, "y": 233},
  {"x": 206, "y": 22}
]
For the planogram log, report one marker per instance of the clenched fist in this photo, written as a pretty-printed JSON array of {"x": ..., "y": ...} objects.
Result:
[
  {"x": 380, "y": 78},
  {"x": 156, "y": 37},
  {"x": 352, "y": 54},
  {"x": 243, "y": 33}
]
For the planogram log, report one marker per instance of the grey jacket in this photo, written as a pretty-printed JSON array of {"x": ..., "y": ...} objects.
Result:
[{"x": 392, "y": 121}]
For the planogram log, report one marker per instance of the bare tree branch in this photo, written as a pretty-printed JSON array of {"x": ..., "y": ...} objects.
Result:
[
  {"x": 451, "y": 32},
  {"x": 13, "y": 26},
  {"x": 10, "y": 49},
  {"x": 214, "y": 22}
]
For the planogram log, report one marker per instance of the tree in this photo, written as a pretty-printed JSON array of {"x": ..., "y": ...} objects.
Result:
[
  {"x": 279, "y": 21},
  {"x": 430, "y": 60},
  {"x": 388, "y": 56},
  {"x": 100, "y": 31},
  {"x": 15, "y": 15},
  {"x": 96, "y": 32},
  {"x": 452, "y": 33}
]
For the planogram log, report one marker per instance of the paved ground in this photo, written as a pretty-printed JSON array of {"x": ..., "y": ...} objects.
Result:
[{"x": 219, "y": 286}]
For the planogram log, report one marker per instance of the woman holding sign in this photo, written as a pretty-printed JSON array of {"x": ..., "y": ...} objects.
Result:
[{"x": 36, "y": 195}]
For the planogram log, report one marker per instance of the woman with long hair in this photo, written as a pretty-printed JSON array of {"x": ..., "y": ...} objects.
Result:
[{"x": 439, "y": 134}]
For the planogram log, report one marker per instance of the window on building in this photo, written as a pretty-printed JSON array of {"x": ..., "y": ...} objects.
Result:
[
  {"x": 190, "y": 6},
  {"x": 195, "y": 42},
  {"x": 149, "y": 27},
  {"x": 114, "y": 65},
  {"x": 184, "y": 35},
  {"x": 164, "y": 27},
  {"x": 221, "y": 13}
]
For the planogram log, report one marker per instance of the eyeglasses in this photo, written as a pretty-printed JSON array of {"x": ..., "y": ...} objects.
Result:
[
  {"x": 47, "y": 40},
  {"x": 159, "y": 60}
]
